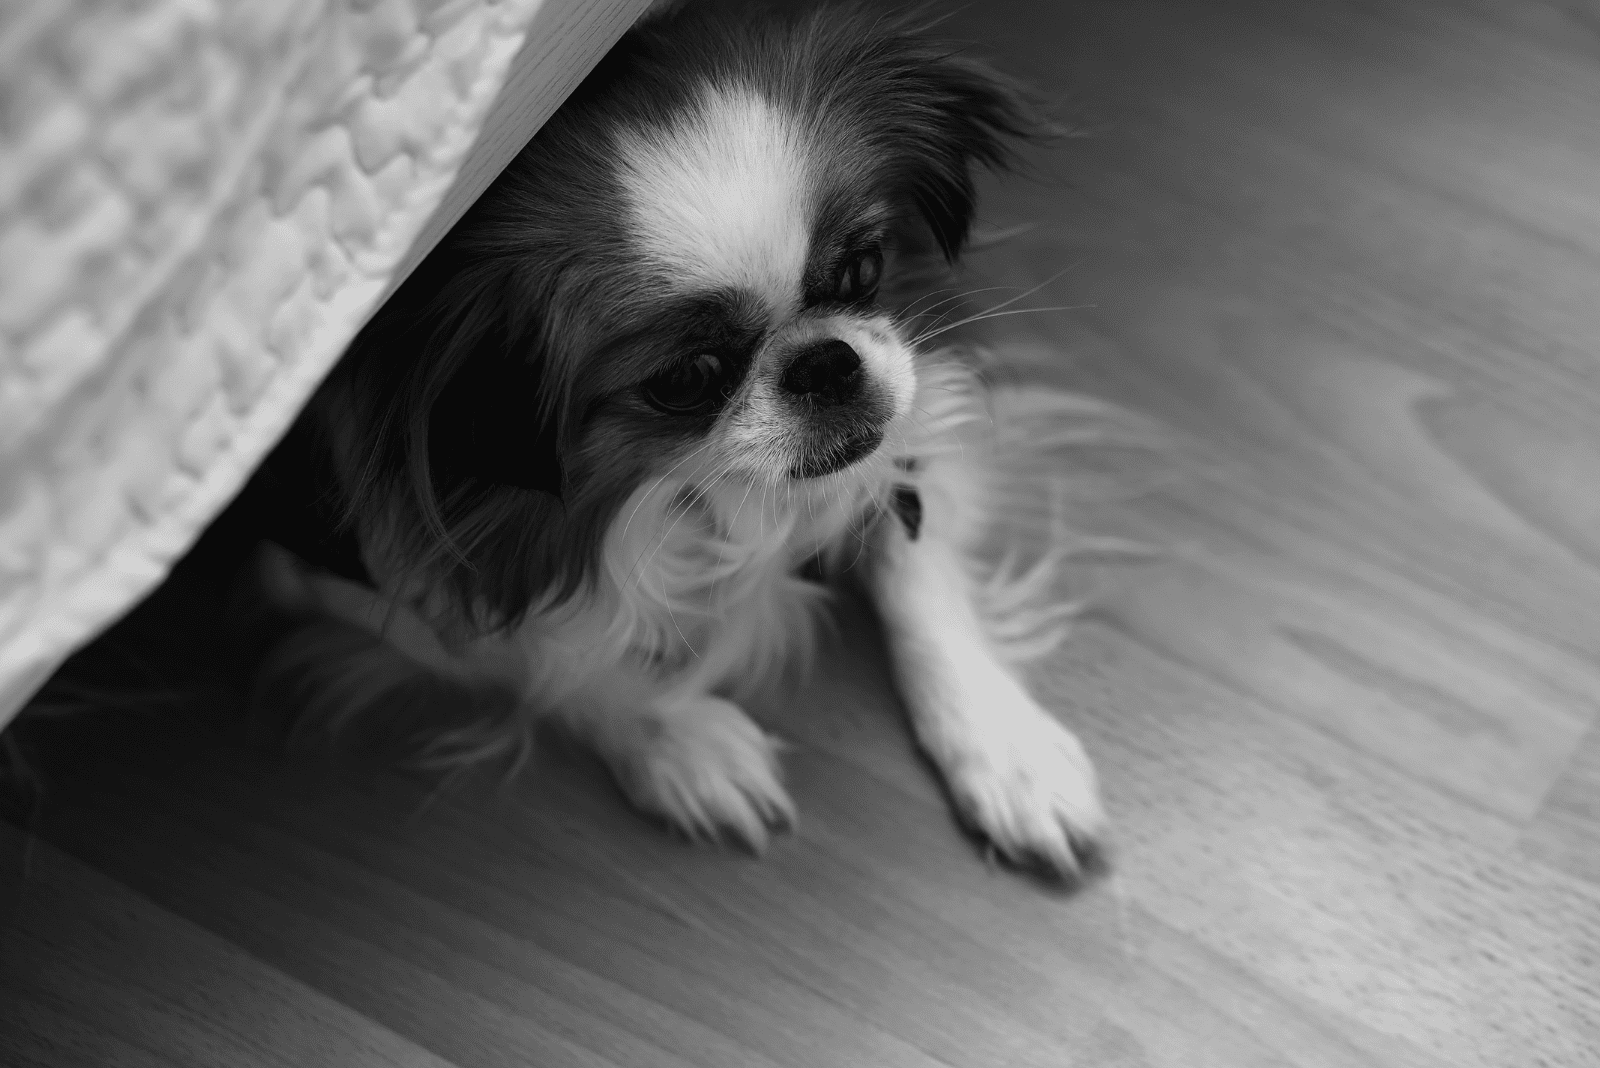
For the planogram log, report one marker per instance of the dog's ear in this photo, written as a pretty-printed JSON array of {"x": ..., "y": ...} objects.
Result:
[
  {"x": 473, "y": 405},
  {"x": 953, "y": 115},
  {"x": 490, "y": 421}
]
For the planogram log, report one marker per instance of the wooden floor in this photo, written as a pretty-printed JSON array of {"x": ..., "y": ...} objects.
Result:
[{"x": 1350, "y": 251}]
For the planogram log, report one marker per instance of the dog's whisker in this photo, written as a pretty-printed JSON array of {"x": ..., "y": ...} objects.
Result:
[
  {"x": 653, "y": 487},
  {"x": 929, "y": 336},
  {"x": 919, "y": 313},
  {"x": 1008, "y": 302}
]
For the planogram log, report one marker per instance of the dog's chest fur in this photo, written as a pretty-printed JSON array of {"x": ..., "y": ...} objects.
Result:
[{"x": 705, "y": 586}]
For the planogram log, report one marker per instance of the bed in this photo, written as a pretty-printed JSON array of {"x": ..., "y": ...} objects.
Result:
[{"x": 201, "y": 201}]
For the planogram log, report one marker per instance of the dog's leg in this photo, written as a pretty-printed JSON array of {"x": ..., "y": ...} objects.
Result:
[
  {"x": 292, "y": 585},
  {"x": 1015, "y": 774},
  {"x": 695, "y": 760},
  {"x": 692, "y": 759}
]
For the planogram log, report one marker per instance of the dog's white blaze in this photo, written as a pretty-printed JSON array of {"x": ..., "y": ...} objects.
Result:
[{"x": 722, "y": 198}]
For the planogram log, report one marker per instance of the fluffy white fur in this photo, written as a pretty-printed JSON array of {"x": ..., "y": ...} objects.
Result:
[{"x": 725, "y": 198}]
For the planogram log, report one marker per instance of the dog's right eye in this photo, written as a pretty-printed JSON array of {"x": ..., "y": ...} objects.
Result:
[
  {"x": 857, "y": 281},
  {"x": 692, "y": 388}
]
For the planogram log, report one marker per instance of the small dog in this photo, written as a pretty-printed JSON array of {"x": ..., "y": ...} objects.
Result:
[{"x": 596, "y": 453}]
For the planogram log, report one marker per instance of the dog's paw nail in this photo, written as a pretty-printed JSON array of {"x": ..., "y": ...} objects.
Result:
[
  {"x": 777, "y": 813},
  {"x": 711, "y": 772},
  {"x": 1031, "y": 795}
]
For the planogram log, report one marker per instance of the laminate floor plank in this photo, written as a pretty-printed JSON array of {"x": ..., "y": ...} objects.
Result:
[{"x": 97, "y": 974}]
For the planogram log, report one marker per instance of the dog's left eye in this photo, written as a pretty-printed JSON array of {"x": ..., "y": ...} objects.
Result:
[
  {"x": 858, "y": 277},
  {"x": 691, "y": 388}
]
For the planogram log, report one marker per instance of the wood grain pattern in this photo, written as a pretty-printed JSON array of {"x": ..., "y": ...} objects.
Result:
[{"x": 1346, "y": 721}]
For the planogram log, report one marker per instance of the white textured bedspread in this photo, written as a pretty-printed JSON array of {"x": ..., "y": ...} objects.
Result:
[{"x": 200, "y": 202}]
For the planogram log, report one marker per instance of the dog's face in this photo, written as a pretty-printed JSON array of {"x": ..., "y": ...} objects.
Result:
[
  {"x": 680, "y": 276},
  {"x": 760, "y": 251}
]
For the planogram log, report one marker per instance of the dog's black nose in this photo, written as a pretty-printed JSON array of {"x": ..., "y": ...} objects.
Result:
[{"x": 826, "y": 371}]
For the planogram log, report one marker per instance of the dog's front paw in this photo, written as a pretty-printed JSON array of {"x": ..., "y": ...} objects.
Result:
[
  {"x": 707, "y": 769},
  {"x": 1023, "y": 782}
]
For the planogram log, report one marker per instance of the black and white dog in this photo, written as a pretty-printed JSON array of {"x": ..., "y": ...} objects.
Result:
[{"x": 596, "y": 452}]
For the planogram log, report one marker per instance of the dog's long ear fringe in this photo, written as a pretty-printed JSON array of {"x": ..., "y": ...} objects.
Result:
[
  {"x": 998, "y": 460},
  {"x": 320, "y": 684},
  {"x": 971, "y": 117},
  {"x": 956, "y": 115},
  {"x": 456, "y": 394},
  {"x": 1026, "y": 612},
  {"x": 451, "y": 462},
  {"x": 330, "y": 685}
]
